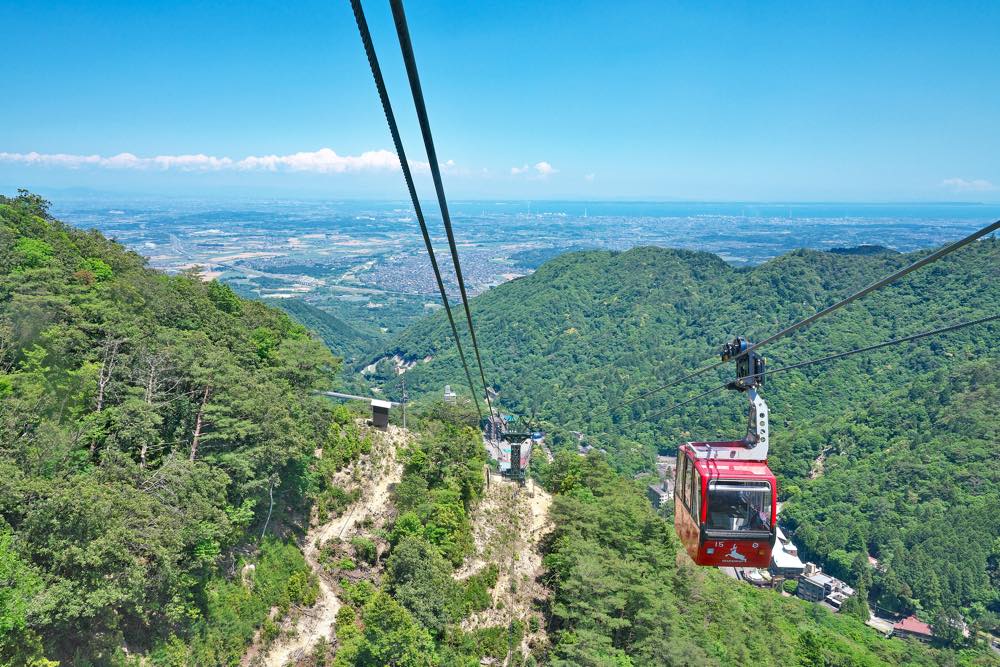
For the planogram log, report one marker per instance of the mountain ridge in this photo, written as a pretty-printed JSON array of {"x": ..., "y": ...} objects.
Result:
[
  {"x": 163, "y": 454},
  {"x": 591, "y": 330}
]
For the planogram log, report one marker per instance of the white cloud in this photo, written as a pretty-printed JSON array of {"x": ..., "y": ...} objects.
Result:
[
  {"x": 323, "y": 161},
  {"x": 54, "y": 159},
  {"x": 188, "y": 162},
  {"x": 590, "y": 177},
  {"x": 538, "y": 170},
  {"x": 544, "y": 168},
  {"x": 962, "y": 185}
]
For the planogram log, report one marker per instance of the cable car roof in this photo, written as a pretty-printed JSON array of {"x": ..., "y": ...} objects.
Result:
[
  {"x": 730, "y": 469},
  {"x": 734, "y": 469}
]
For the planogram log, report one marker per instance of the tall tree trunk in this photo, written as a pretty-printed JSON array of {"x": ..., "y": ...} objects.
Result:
[
  {"x": 150, "y": 383},
  {"x": 198, "y": 423},
  {"x": 150, "y": 389},
  {"x": 107, "y": 369},
  {"x": 108, "y": 361},
  {"x": 269, "y": 508}
]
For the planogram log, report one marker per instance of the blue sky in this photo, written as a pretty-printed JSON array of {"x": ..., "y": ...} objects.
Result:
[{"x": 742, "y": 101}]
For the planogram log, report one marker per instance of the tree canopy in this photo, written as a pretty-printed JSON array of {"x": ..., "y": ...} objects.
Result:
[
  {"x": 146, "y": 421},
  {"x": 884, "y": 454}
]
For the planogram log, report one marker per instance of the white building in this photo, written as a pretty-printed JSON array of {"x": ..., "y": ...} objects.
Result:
[{"x": 785, "y": 560}]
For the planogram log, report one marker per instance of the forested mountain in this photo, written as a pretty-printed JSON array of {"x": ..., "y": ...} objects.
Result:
[
  {"x": 162, "y": 454},
  {"x": 590, "y": 329},
  {"x": 351, "y": 343},
  {"x": 908, "y": 432},
  {"x": 146, "y": 424}
]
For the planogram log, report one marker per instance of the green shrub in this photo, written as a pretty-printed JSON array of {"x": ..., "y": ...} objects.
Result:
[
  {"x": 333, "y": 500},
  {"x": 233, "y": 612},
  {"x": 98, "y": 268},
  {"x": 365, "y": 549},
  {"x": 32, "y": 253},
  {"x": 476, "y": 590},
  {"x": 357, "y": 594}
]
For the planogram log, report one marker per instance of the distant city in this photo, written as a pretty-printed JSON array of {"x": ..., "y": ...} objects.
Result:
[{"x": 366, "y": 261}]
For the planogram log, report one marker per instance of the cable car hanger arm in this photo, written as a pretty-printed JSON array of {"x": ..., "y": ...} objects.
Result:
[{"x": 829, "y": 357}]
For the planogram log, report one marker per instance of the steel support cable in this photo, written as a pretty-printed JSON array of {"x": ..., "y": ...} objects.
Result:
[
  {"x": 920, "y": 263},
  {"x": 366, "y": 39},
  {"x": 833, "y": 357},
  {"x": 406, "y": 46}
]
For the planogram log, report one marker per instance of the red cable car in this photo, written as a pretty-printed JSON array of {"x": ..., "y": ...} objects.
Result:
[
  {"x": 725, "y": 496},
  {"x": 724, "y": 509}
]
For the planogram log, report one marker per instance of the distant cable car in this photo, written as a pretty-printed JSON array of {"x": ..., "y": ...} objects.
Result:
[{"x": 725, "y": 496}]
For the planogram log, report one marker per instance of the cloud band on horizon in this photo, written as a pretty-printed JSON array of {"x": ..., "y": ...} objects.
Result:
[
  {"x": 966, "y": 185},
  {"x": 324, "y": 161}
]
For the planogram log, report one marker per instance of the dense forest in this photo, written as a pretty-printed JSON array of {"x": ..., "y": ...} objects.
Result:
[
  {"x": 349, "y": 342},
  {"x": 912, "y": 479},
  {"x": 917, "y": 422},
  {"x": 149, "y": 427},
  {"x": 623, "y": 597},
  {"x": 159, "y": 436}
]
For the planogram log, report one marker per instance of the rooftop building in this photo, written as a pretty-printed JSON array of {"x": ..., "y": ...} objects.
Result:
[
  {"x": 659, "y": 494},
  {"x": 818, "y": 587},
  {"x": 785, "y": 560},
  {"x": 911, "y": 626},
  {"x": 785, "y": 564}
]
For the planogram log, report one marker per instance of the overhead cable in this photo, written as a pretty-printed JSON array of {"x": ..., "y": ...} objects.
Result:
[
  {"x": 831, "y": 357},
  {"x": 406, "y": 46},
  {"x": 924, "y": 261},
  {"x": 366, "y": 39}
]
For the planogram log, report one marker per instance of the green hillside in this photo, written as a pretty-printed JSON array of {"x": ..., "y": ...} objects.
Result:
[
  {"x": 158, "y": 436},
  {"x": 590, "y": 329},
  {"x": 349, "y": 342},
  {"x": 623, "y": 597},
  {"x": 913, "y": 479},
  {"x": 146, "y": 422}
]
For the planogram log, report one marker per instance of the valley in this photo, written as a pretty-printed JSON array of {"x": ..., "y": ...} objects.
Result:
[
  {"x": 364, "y": 262},
  {"x": 491, "y": 334},
  {"x": 175, "y": 492}
]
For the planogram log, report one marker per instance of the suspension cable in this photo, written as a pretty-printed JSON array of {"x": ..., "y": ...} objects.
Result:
[
  {"x": 406, "y": 46},
  {"x": 934, "y": 256},
  {"x": 832, "y": 357},
  {"x": 366, "y": 39}
]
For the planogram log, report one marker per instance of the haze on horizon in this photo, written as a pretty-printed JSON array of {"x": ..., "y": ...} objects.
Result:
[{"x": 647, "y": 100}]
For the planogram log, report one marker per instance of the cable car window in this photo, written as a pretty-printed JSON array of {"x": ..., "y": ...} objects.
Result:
[
  {"x": 739, "y": 507},
  {"x": 680, "y": 488},
  {"x": 687, "y": 487},
  {"x": 696, "y": 495}
]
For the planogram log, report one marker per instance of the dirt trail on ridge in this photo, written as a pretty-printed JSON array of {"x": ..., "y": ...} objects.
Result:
[
  {"x": 508, "y": 526},
  {"x": 375, "y": 475}
]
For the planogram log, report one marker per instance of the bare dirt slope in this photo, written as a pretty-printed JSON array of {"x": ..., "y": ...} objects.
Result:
[
  {"x": 374, "y": 475},
  {"x": 508, "y": 526}
]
